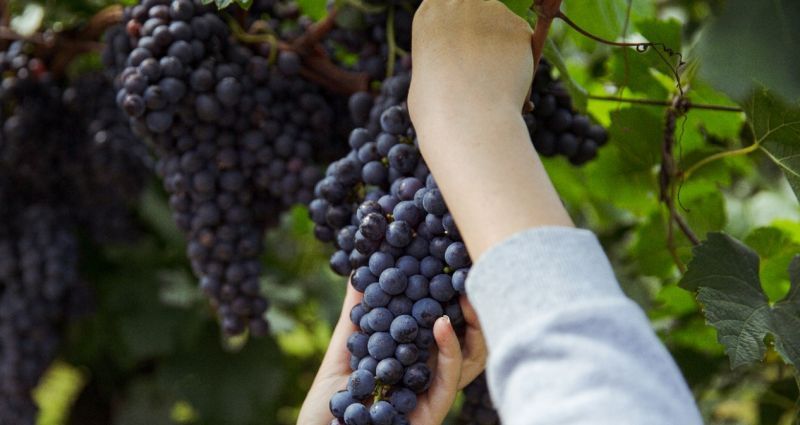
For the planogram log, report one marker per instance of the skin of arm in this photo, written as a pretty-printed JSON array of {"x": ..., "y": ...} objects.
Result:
[{"x": 473, "y": 66}]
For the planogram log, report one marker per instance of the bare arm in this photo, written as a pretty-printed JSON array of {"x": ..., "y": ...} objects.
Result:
[{"x": 472, "y": 68}]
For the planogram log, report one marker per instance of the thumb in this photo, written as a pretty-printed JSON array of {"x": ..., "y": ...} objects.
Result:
[{"x": 448, "y": 364}]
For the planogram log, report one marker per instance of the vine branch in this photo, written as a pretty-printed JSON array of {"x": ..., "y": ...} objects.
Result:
[
  {"x": 665, "y": 103},
  {"x": 546, "y": 11},
  {"x": 667, "y": 176},
  {"x": 640, "y": 47}
]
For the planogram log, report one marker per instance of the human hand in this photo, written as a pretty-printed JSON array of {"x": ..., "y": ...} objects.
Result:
[
  {"x": 469, "y": 55},
  {"x": 452, "y": 368}
]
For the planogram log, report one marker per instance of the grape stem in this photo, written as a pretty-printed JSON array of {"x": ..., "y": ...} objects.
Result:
[
  {"x": 392, "y": 43},
  {"x": 316, "y": 65},
  {"x": 315, "y": 33},
  {"x": 666, "y": 103}
]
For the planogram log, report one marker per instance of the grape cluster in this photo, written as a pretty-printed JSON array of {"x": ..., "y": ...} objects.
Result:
[
  {"x": 555, "y": 127},
  {"x": 395, "y": 238},
  {"x": 237, "y": 139},
  {"x": 38, "y": 274},
  {"x": 115, "y": 165},
  {"x": 477, "y": 408},
  {"x": 63, "y": 162}
]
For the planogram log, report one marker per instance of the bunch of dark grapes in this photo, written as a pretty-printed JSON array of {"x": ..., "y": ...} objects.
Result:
[
  {"x": 397, "y": 241},
  {"x": 395, "y": 238},
  {"x": 39, "y": 136},
  {"x": 477, "y": 408},
  {"x": 38, "y": 273},
  {"x": 554, "y": 125},
  {"x": 55, "y": 156},
  {"x": 115, "y": 166},
  {"x": 236, "y": 137}
]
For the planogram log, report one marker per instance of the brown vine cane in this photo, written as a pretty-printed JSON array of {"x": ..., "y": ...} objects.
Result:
[{"x": 546, "y": 11}]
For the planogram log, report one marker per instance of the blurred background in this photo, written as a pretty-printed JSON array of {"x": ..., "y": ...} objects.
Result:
[{"x": 151, "y": 352}]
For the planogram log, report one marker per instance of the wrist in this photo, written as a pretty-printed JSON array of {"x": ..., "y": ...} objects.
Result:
[{"x": 446, "y": 125}]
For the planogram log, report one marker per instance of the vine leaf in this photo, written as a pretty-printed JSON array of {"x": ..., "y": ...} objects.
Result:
[
  {"x": 768, "y": 31},
  {"x": 776, "y": 127},
  {"x": 222, "y": 4},
  {"x": 724, "y": 273},
  {"x": 787, "y": 318},
  {"x": 604, "y": 18},
  {"x": 519, "y": 7}
]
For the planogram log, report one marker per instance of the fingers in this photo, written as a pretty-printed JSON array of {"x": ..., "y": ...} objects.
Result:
[
  {"x": 337, "y": 358},
  {"x": 448, "y": 365},
  {"x": 474, "y": 352},
  {"x": 334, "y": 370}
]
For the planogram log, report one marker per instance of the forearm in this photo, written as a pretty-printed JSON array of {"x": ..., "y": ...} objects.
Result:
[
  {"x": 489, "y": 174},
  {"x": 566, "y": 345}
]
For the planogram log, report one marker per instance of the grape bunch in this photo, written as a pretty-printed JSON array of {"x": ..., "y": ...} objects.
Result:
[
  {"x": 396, "y": 240},
  {"x": 237, "y": 137},
  {"x": 115, "y": 165},
  {"x": 555, "y": 127},
  {"x": 64, "y": 162},
  {"x": 38, "y": 274}
]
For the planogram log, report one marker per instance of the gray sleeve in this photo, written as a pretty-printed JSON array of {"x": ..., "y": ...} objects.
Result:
[{"x": 565, "y": 345}]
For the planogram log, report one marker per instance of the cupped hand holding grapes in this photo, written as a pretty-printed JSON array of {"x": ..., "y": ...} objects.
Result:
[{"x": 454, "y": 366}]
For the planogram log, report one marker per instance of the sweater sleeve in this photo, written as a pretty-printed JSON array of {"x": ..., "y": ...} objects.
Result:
[{"x": 566, "y": 346}]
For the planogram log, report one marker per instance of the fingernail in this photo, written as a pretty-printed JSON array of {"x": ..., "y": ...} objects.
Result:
[{"x": 447, "y": 319}]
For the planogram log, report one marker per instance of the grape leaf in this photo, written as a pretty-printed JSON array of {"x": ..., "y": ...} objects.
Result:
[
  {"x": 605, "y": 18},
  {"x": 724, "y": 273},
  {"x": 315, "y": 9},
  {"x": 787, "y": 318},
  {"x": 519, "y": 7},
  {"x": 768, "y": 32},
  {"x": 666, "y": 32},
  {"x": 776, "y": 126}
]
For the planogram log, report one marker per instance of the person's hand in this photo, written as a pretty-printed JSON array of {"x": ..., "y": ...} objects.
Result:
[
  {"x": 470, "y": 56},
  {"x": 452, "y": 368},
  {"x": 473, "y": 65}
]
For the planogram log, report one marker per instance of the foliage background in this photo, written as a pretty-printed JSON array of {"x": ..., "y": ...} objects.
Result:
[{"x": 153, "y": 354}]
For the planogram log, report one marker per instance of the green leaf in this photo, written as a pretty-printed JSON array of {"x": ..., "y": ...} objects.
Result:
[
  {"x": 631, "y": 70},
  {"x": 316, "y": 9},
  {"x": 776, "y": 250},
  {"x": 666, "y": 32},
  {"x": 245, "y": 4},
  {"x": 724, "y": 273},
  {"x": 787, "y": 318},
  {"x": 519, "y": 7},
  {"x": 637, "y": 133},
  {"x": 776, "y": 126},
  {"x": 222, "y": 4},
  {"x": 768, "y": 32},
  {"x": 605, "y": 18},
  {"x": 576, "y": 92}
]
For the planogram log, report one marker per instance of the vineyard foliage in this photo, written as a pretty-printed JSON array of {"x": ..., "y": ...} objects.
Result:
[{"x": 694, "y": 197}]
